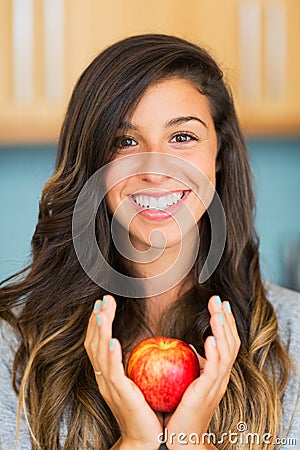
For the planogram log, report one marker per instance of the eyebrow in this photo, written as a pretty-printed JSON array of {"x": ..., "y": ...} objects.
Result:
[
  {"x": 180, "y": 120},
  {"x": 170, "y": 123}
]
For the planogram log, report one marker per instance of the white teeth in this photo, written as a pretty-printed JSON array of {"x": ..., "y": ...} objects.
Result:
[
  {"x": 152, "y": 202},
  {"x": 163, "y": 202}
]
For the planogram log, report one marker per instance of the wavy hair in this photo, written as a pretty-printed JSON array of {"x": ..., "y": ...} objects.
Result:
[{"x": 50, "y": 304}]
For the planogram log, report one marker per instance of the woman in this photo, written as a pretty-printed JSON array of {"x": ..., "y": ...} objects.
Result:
[{"x": 152, "y": 116}]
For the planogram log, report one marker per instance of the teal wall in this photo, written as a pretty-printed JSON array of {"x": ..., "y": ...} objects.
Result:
[
  {"x": 276, "y": 171},
  {"x": 23, "y": 173},
  {"x": 276, "y": 168}
]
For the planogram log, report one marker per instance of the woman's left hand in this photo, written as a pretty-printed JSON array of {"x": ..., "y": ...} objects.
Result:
[{"x": 197, "y": 406}]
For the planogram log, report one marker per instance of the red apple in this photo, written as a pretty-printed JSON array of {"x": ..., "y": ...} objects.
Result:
[{"x": 163, "y": 368}]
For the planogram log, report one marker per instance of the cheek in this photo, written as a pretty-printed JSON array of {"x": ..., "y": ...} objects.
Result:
[
  {"x": 207, "y": 169},
  {"x": 206, "y": 183},
  {"x": 111, "y": 199},
  {"x": 206, "y": 159}
]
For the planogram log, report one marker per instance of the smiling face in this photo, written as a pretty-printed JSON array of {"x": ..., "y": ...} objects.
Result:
[{"x": 172, "y": 118}]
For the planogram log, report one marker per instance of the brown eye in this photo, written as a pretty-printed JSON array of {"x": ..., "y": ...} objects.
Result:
[
  {"x": 183, "y": 137},
  {"x": 124, "y": 142}
]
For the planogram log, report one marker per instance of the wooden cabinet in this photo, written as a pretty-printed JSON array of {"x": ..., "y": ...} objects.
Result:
[
  {"x": 45, "y": 45},
  {"x": 270, "y": 58}
]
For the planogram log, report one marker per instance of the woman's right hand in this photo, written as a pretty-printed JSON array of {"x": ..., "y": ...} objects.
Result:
[{"x": 139, "y": 424}]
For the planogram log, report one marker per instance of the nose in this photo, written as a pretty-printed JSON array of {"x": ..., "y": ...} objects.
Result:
[
  {"x": 156, "y": 167},
  {"x": 153, "y": 178}
]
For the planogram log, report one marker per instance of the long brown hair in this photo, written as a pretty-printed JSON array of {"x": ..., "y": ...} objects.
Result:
[{"x": 56, "y": 383}]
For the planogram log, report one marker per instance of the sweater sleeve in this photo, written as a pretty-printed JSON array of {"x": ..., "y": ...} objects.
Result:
[
  {"x": 287, "y": 307},
  {"x": 8, "y": 397}
]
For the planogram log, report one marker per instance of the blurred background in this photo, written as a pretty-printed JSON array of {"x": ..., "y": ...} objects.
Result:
[{"x": 46, "y": 44}]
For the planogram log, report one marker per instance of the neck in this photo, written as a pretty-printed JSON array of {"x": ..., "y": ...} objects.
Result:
[
  {"x": 174, "y": 264},
  {"x": 156, "y": 305}
]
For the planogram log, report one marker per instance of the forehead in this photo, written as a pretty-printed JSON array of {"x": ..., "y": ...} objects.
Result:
[{"x": 168, "y": 98}]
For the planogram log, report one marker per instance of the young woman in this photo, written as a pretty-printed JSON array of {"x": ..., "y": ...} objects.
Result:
[{"x": 150, "y": 158}]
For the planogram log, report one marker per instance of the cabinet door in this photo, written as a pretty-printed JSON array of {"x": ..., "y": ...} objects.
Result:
[
  {"x": 32, "y": 61},
  {"x": 268, "y": 93}
]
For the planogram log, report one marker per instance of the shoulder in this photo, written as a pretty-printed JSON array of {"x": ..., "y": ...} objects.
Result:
[
  {"x": 8, "y": 347},
  {"x": 287, "y": 308},
  {"x": 282, "y": 298},
  {"x": 286, "y": 304},
  {"x": 9, "y": 342}
]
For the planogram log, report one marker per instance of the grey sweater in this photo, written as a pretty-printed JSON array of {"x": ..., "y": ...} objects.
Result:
[{"x": 287, "y": 307}]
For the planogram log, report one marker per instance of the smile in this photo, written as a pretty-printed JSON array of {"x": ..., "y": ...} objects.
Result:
[{"x": 158, "y": 205}]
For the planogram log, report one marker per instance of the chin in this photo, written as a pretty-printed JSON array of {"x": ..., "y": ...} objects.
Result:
[{"x": 159, "y": 238}]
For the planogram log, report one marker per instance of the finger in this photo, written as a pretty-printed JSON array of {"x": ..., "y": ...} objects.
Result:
[
  {"x": 94, "y": 347},
  {"x": 217, "y": 321},
  {"x": 99, "y": 333},
  {"x": 214, "y": 304},
  {"x": 230, "y": 328},
  {"x": 212, "y": 358},
  {"x": 227, "y": 350},
  {"x": 218, "y": 324},
  {"x": 226, "y": 345},
  {"x": 115, "y": 368},
  {"x": 91, "y": 329},
  {"x": 107, "y": 309},
  {"x": 121, "y": 388},
  {"x": 104, "y": 319},
  {"x": 111, "y": 383},
  {"x": 201, "y": 388},
  {"x": 224, "y": 329},
  {"x": 218, "y": 375},
  {"x": 233, "y": 327}
]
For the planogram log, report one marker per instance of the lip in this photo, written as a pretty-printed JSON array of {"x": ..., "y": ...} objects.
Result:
[{"x": 161, "y": 214}]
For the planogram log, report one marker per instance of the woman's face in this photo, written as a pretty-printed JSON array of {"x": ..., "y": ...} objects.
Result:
[{"x": 172, "y": 118}]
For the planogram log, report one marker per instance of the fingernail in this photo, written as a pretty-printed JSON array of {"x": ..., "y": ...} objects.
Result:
[
  {"x": 213, "y": 341},
  {"x": 218, "y": 301},
  {"x": 104, "y": 301},
  {"x": 227, "y": 307},
  {"x": 111, "y": 344},
  {"x": 97, "y": 306},
  {"x": 221, "y": 317},
  {"x": 98, "y": 319}
]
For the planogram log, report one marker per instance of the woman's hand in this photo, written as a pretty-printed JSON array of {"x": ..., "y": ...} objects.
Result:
[
  {"x": 138, "y": 423},
  {"x": 197, "y": 406}
]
